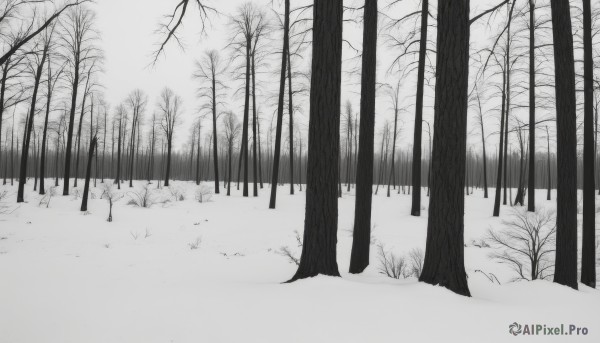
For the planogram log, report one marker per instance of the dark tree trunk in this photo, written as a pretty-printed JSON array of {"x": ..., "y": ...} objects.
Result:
[
  {"x": 88, "y": 173},
  {"x": 565, "y": 271},
  {"x": 2, "y": 95},
  {"x": 79, "y": 139},
  {"x": 588, "y": 246},
  {"x": 291, "y": 119},
  {"x": 45, "y": 132},
  {"x": 416, "y": 167},
  {"x": 321, "y": 219},
  {"x": 361, "y": 237},
  {"x": 214, "y": 117},
  {"x": 444, "y": 254},
  {"x": 485, "y": 182},
  {"x": 502, "y": 143},
  {"x": 230, "y": 152},
  {"x": 29, "y": 128},
  {"x": 531, "y": 178},
  {"x": 278, "y": 128},
  {"x": 198, "y": 158},
  {"x": 244, "y": 151},
  {"x": 117, "y": 178},
  {"x": 549, "y": 194},
  {"x": 168, "y": 171},
  {"x": 254, "y": 119}
]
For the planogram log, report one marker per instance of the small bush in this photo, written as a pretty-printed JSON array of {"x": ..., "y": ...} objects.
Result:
[
  {"x": 195, "y": 244},
  {"x": 391, "y": 265},
  {"x": 526, "y": 244},
  {"x": 285, "y": 251},
  {"x": 45, "y": 199},
  {"x": 177, "y": 193},
  {"x": 143, "y": 197},
  {"x": 204, "y": 193},
  {"x": 417, "y": 258}
]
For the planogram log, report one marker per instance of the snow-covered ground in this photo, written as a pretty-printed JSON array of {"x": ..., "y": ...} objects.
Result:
[{"x": 68, "y": 276}]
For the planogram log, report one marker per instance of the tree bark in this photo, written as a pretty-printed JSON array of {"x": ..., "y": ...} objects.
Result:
[
  {"x": 444, "y": 254},
  {"x": 88, "y": 173},
  {"x": 588, "y": 246},
  {"x": 278, "y": 128},
  {"x": 565, "y": 271},
  {"x": 321, "y": 219},
  {"x": 361, "y": 237},
  {"x": 29, "y": 128},
  {"x": 531, "y": 178},
  {"x": 416, "y": 166}
]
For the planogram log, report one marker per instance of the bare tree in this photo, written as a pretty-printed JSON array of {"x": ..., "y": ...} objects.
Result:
[
  {"x": 232, "y": 129},
  {"x": 208, "y": 72},
  {"x": 170, "y": 108},
  {"x": 10, "y": 10},
  {"x": 136, "y": 101},
  {"x": 77, "y": 41},
  {"x": 38, "y": 59},
  {"x": 525, "y": 244}
]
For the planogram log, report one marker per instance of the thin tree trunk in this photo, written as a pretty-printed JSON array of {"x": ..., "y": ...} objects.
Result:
[
  {"x": 278, "y": 128},
  {"x": 588, "y": 256},
  {"x": 416, "y": 167}
]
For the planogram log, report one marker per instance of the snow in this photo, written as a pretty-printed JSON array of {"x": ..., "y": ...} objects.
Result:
[{"x": 66, "y": 276}]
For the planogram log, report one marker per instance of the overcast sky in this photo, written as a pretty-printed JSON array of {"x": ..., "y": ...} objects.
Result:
[{"x": 128, "y": 27}]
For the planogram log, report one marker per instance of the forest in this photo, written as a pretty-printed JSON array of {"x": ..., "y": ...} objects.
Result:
[{"x": 298, "y": 170}]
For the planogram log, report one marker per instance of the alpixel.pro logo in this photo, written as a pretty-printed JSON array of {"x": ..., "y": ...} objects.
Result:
[{"x": 516, "y": 329}]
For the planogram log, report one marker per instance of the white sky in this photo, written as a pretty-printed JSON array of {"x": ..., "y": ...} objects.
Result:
[{"x": 128, "y": 39}]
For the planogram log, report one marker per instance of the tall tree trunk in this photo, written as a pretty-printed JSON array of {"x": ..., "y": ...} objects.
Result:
[
  {"x": 565, "y": 271},
  {"x": 117, "y": 178},
  {"x": 548, "y": 196},
  {"x": 214, "y": 117},
  {"x": 361, "y": 236},
  {"x": 88, "y": 173},
  {"x": 588, "y": 246},
  {"x": 278, "y": 128},
  {"x": 444, "y": 254},
  {"x": 501, "y": 155},
  {"x": 45, "y": 131},
  {"x": 168, "y": 171},
  {"x": 291, "y": 120},
  {"x": 416, "y": 166},
  {"x": 485, "y": 183},
  {"x": 29, "y": 128},
  {"x": 2, "y": 96},
  {"x": 531, "y": 178},
  {"x": 244, "y": 151},
  {"x": 321, "y": 219},
  {"x": 254, "y": 119}
]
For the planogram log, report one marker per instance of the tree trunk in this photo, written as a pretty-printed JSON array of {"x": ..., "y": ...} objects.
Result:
[
  {"x": 321, "y": 219},
  {"x": 531, "y": 178},
  {"x": 502, "y": 144},
  {"x": 444, "y": 254},
  {"x": 254, "y": 119},
  {"x": 29, "y": 128},
  {"x": 416, "y": 167},
  {"x": 361, "y": 237},
  {"x": 291, "y": 119},
  {"x": 278, "y": 128},
  {"x": 88, "y": 173},
  {"x": 588, "y": 256},
  {"x": 45, "y": 132},
  {"x": 565, "y": 271}
]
